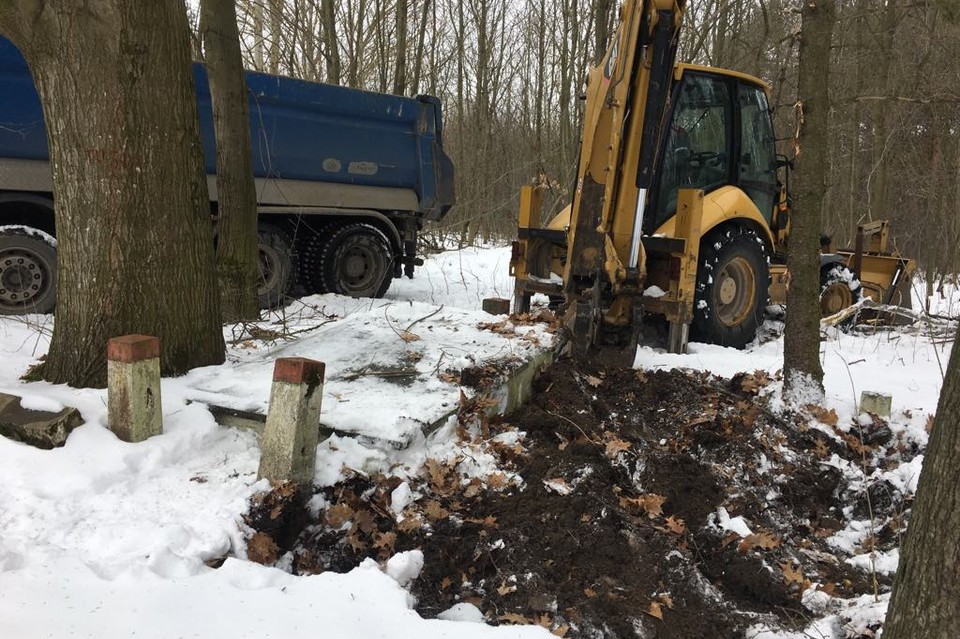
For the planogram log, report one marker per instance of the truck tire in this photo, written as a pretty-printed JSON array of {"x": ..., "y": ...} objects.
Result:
[
  {"x": 311, "y": 239},
  {"x": 28, "y": 271},
  {"x": 278, "y": 265},
  {"x": 357, "y": 261},
  {"x": 732, "y": 284},
  {"x": 840, "y": 288}
]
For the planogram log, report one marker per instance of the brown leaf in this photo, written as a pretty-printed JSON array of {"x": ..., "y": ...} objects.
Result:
[
  {"x": 408, "y": 337},
  {"x": 752, "y": 383},
  {"x": 434, "y": 511},
  {"x": 506, "y": 589},
  {"x": 545, "y": 621},
  {"x": 560, "y": 631},
  {"x": 411, "y": 521},
  {"x": 593, "y": 381},
  {"x": 763, "y": 540},
  {"x": 931, "y": 419},
  {"x": 822, "y": 415},
  {"x": 830, "y": 589},
  {"x": 641, "y": 377},
  {"x": 445, "y": 583},
  {"x": 616, "y": 446},
  {"x": 792, "y": 575},
  {"x": 590, "y": 592},
  {"x": 497, "y": 481},
  {"x": 676, "y": 525},
  {"x": 667, "y": 600},
  {"x": 355, "y": 541},
  {"x": 655, "y": 610},
  {"x": 489, "y": 521},
  {"x": 650, "y": 504},
  {"x": 337, "y": 515},
  {"x": 513, "y": 618},
  {"x": 728, "y": 539},
  {"x": 821, "y": 450},
  {"x": 385, "y": 542},
  {"x": 262, "y": 549},
  {"x": 473, "y": 488},
  {"x": 363, "y": 519}
]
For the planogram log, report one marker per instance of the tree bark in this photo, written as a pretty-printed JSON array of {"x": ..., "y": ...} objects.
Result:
[
  {"x": 803, "y": 373},
  {"x": 926, "y": 592},
  {"x": 237, "y": 264},
  {"x": 133, "y": 217},
  {"x": 400, "y": 66},
  {"x": 331, "y": 45}
]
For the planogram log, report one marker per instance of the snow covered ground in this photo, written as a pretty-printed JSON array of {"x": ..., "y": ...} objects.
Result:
[{"x": 103, "y": 538}]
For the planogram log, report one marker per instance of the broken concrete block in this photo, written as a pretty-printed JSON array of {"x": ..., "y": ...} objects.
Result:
[
  {"x": 496, "y": 306},
  {"x": 42, "y": 429},
  {"x": 133, "y": 387},
  {"x": 288, "y": 448},
  {"x": 877, "y": 403}
]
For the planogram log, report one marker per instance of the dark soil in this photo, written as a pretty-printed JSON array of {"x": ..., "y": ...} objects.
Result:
[{"x": 612, "y": 530}]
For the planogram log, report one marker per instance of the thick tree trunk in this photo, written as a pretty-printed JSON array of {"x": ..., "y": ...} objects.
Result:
[
  {"x": 801, "y": 350},
  {"x": 237, "y": 266},
  {"x": 133, "y": 216},
  {"x": 926, "y": 592},
  {"x": 400, "y": 67}
]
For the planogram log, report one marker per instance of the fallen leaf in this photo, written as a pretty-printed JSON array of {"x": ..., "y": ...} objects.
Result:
[
  {"x": 545, "y": 621},
  {"x": 262, "y": 549},
  {"x": 615, "y": 447},
  {"x": 931, "y": 419},
  {"x": 763, "y": 540},
  {"x": 337, "y": 515},
  {"x": 363, "y": 519},
  {"x": 792, "y": 575},
  {"x": 650, "y": 504},
  {"x": 385, "y": 542},
  {"x": 641, "y": 377},
  {"x": 408, "y": 337},
  {"x": 655, "y": 610},
  {"x": 506, "y": 589},
  {"x": 560, "y": 631},
  {"x": 497, "y": 480},
  {"x": 590, "y": 592},
  {"x": 676, "y": 525},
  {"x": 822, "y": 415},
  {"x": 434, "y": 511},
  {"x": 667, "y": 600},
  {"x": 830, "y": 589},
  {"x": 593, "y": 381},
  {"x": 513, "y": 618},
  {"x": 821, "y": 450},
  {"x": 445, "y": 583}
]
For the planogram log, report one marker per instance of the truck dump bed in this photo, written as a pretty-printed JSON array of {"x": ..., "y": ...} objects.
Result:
[{"x": 314, "y": 145}]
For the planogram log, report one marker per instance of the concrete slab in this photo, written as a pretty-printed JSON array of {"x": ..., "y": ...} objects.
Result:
[{"x": 41, "y": 429}]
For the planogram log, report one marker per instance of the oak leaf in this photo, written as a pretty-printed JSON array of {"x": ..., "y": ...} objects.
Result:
[
  {"x": 762, "y": 540},
  {"x": 655, "y": 610}
]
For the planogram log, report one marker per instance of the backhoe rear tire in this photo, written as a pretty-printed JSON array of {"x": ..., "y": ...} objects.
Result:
[{"x": 732, "y": 288}]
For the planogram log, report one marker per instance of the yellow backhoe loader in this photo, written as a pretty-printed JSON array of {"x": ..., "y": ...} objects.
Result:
[{"x": 680, "y": 207}]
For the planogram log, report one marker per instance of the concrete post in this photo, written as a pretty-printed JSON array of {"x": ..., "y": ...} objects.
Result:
[
  {"x": 877, "y": 403},
  {"x": 133, "y": 387},
  {"x": 288, "y": 448}
]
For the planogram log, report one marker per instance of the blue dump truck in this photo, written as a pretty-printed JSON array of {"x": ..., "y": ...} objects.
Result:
[{"x": 345, "y": 180}]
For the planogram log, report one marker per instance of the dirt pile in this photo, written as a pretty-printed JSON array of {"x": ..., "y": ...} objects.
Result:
[{"x": 637, "y": 504}]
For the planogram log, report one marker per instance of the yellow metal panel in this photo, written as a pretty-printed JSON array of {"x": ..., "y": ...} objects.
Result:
[
  {"x": 681, "y": 68},
  {"x": 726, "y": 203}
]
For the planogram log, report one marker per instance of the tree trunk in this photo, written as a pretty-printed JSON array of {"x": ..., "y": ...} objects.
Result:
[
  {"x": 237, "y": 264},
  {"x": 400, "y": 67},
  {"x": 133, "y": 217},
  {"x": 331, "y": 44},
  {"x": 926, "y": 592},
  {"x": 803, "y": 374}
]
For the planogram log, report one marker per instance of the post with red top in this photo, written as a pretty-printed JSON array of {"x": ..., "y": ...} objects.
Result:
[
  {"x": 133, "y": 387},
  {"x": 288, "y": 448}
]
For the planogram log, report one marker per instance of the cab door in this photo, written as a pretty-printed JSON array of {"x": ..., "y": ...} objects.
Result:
[{"x": 757, "y": 162}]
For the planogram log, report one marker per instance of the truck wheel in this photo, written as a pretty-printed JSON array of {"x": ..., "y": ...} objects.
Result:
[
  {"x": 28, "y": 272},
  {"x": 732, "y": 284},
  {"x": 277, "y": 265},
  {"x": 311, "y": 240},
  {"x": 840, "y": 288},
  {"x": 357, "y": 261}
]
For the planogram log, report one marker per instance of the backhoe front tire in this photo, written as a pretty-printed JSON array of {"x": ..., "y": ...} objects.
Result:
[
  {"x": 732, "y": 288},
  {"x": 840, "y": 288}
]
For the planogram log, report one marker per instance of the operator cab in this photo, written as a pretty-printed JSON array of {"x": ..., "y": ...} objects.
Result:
[{"x": 719, "y": 133}]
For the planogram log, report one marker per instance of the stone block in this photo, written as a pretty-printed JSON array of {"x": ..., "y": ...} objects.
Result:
[
  {"x": 42, "y": 429},
  {"x": 288, "y": 448},
  {"x": 496, "y": 306},
  {"x": 133, "y": 387},
  {"x": 878, "y": 404}
]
